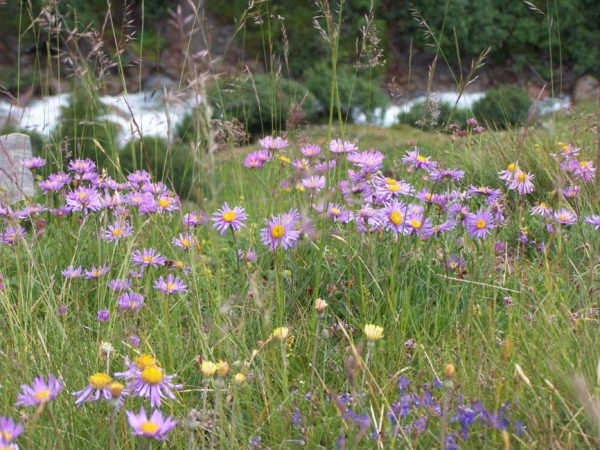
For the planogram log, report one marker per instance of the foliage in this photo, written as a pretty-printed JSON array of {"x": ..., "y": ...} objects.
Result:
[
  {"x": 261, "y": 102},
  {"x": 503, "y": 107},
  {"x": 434, "y": 117},
  {"x": 356, "y": 90}
]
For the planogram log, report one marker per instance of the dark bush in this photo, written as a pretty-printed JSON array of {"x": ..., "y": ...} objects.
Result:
[
  {"x": 356, "y": 90},
  {"x": 263, "y": 109},
  {"x": 434, "y": 117},
  {"x": 503, "y": 107}
]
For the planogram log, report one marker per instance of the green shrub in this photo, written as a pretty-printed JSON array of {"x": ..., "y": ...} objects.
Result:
[
  {"x": 429, "y": 120},
  {"x": 503, "y": 107},
  {"x": 263, "y": 109},
  {"x": 356, "y": 90},
  {"x": 172, "y": 165}
]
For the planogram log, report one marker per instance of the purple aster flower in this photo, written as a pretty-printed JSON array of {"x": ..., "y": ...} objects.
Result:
[
  {"x": 417, "y": 161},
  {"x": 183, "y": 241},
  {"x": 279, "y": 232},
  {"x": 40, "y": 391},
  {"x": 565, "y": 217},
  {"x": 369, "y": 162},
  {"x": 138, "y": 178},
  {"x": 167, "y": 202},
  {"x": 82, "y": 166},
  {"x": 585, "y": 170},
  {"x": 436, "y": 174},
  {"x": 119, "y": 285},
  {"x": 480, "y": 223},
  {"x": 571, "y": 191},
  {"x": 336, "y": 146},
  {"x": 61, "y": 310},
  {"x": 472, "y": 122},
  {"x": 310, "y": 150},
  {"x": 148, "y": 257},
  {"x": 156, "y": 427},
  {"x": 70, "y": 272},
  {"x": 271, "y": 143},
  {"x": 256, "y": 160},
  {"x": 137, "y": 274},
  {"x": 34, "y": 163},
  {"x": 96, "y": 272},
  {"x": 54, "y": 182},
  {"x": 445, "y": 226},
  {"x": 134, "y": 340},
  {"x": 522, "y": 182},
  {"x": 103, "y": 316},
  {"x": 415, "y": 224},
  {"x": 338, "y": 213},
  {"x": 84, "y": 199},
  {"x": 301, "y": 164},
  {"x": 226, "y": 218},
  {"x": 117, "y": 231},
  {"x": 246, "y": 255},
  {"x": 193, "y": 219},
  {"x": 171, "y": 285},
  {"x": 98, "y": 388},
  {"x": 13, "y": 234},
  {"x": 154, "y": 384},
  {"x": 9, "y": 431},
  {"x": 315, "y": 182},
  {"x": 455, "y": 262},
  {"x": 484, "y": 191},
  {"x": 325, "y": 166},
  {"x": 61, "y": 212},
  {"x": 130, "y": 301},
  {"x": 368, "y": 219},
  {"x": 393, "y": 215},
  {"x": 593, "y": 220},
  {"x": 508, "y": 175},
  {"x": 542, "y": 210},
  {"x": 389, "y": 188}
]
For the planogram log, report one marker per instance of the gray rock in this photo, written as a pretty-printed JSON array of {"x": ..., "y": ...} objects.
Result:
[
  {"x": 159, "y": 82},
  {"x": 587, "y": 88},
  {"x": 16, "y": 180}
]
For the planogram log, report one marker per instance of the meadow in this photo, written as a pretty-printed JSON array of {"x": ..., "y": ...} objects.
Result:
[{"x": 323, "y": 285}]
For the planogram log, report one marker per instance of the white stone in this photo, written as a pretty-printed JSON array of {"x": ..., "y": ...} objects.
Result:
[{"x": 16, "y": 180}]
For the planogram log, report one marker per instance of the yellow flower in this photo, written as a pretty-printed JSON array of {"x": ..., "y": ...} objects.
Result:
[
  {"x": 222, "y": 369},
  {"x": 208, "y": 368},
  {"x": 239, "y": 378},
  {"x": 373, "y": 332},
  {"x": 284, "y": 159},
  {"x": 116, "y": 388},
  {"x": 281, "y": 333},
  {"x": 320, "y": 305},
  {"x": 449, "y": 371}
]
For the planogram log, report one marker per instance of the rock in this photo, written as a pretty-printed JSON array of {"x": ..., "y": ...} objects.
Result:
[
  {"x": 16, "y": 180},
  {"x": 587, "y": 88},
  {"x": 158, "y": 83}
]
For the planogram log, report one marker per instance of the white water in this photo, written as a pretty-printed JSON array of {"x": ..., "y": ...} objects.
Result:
[
  {"x": 159, "y": 116},
  {"x": 389, "y": 116}
]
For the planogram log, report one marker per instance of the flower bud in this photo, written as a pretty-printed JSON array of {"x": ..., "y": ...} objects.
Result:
[
  {"x": 239, "y": 378},
  {"x": 449, "y": 371},
  {"x": 116, "y": 388},
  {"x": 222, "y": 369},
  {"x": 208, "y": 368},
  {"x": 281, "y": 333}
]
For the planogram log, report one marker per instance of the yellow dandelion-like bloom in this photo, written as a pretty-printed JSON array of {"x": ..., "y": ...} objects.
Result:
[
  {"x": 222, "y": 369},
  {"x": 208, "y": 368},
  {"x": 373, "y": 332},
  {"x": 449, "y": 371},
  {"x": 281, "y": 333},
  {"x": 320, "y": 305},
  {"x": 239, "y": 378},
  {"x": 116, "y": 388}
]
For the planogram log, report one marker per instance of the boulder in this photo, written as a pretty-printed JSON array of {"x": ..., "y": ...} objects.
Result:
[
  {"x": 16, "y": 180},
  {"x": 587, "y": 88}
]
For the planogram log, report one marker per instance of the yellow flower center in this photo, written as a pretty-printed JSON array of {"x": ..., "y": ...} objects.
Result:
[
  {"x": 97, "y": 273},
  {"x": 42, "y": 396},
  {"x": 428, "y": 196},
  {"x": 170, "y": 286},
  {"x": 164, "y": 202},
  {"x": 99, "y": 381},
  {"x": 415, "y": 224},
  {"x": 6, "y": 436},
  {"x": 229, "y": 216},
  {"x": 185, "y": 242},
  {"x": 390, "y": 181},
  {"x": 421, "y": 158},
  {"x": 480, "y": 224},
  {"x": 143, "y": 361},
  {"x": 396, "y": 218},
  {"x": 147, "y": 259},
  {"x": 12, "y": 236},
  {"x": 277, "y": 231},
  {"x": 335, "y": 211},
  {"x": 521, "y": 177},
  {"x": 563, "y": 217},
  {"x": 453, "y": 265},
  {"x": 543, "y": 205},
  {"x": 393, "y": 188},
  {"x": 149, "y": 427},
  {"x": 82, "y": 195},
  {"x": 584, "y": 164},
  {"x": 117, "y": 232},
  {"x": 513, "y": 167},
  {"x": 152, "y": 375},
  {"x": 179, "y": 264},
  {"x": 566, "y": 148}
]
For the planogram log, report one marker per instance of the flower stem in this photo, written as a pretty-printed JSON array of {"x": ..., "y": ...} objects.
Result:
[{"x": 55, "y": 427}]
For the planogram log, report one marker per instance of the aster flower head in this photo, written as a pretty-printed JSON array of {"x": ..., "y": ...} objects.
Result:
[
  {"x": 256, "y": 160},
  {"x": 184, "y": 241},
  {"x": 389, "y": 188},
  {"x": 271, "y": 143},
  {"x": 103, "y": 315},
  {"x": 84, "y": 199},
  {"x": 437, "y": 174},
  {"x": 369, "y": 162},
  {"x": 416, "y": 224},
  {"x": 455, "y": 262},
  {"x": 96, "y": 272},
  {"x": 130, "y": 301},
  {"x": 226, "y": 218},
  {"x": 484, "y": 191},
  {"x": 337, "y": 146},
  {"x": 138, "y": 178},
  {"x": 246, "y": 255},
  {"x": 40, "y": 391},
  {"x": 34, "y": 163},
  {"x": 155, "y": 427},
  {"x": 310, "y": 150},
  {"x": 509, "y": 173},
  {"x": 480, "y": 223},
  {"x": 417, "y": 161},
  {"x": 98, "y": 388},
  {"x": 82, "y": 166},
  {"x": 170, "y": 285},
  {"x": 153, "y": 384},
  {"x": 279, "y": 232},
  {"x": 338, "y": 213},
  {"x": 148, "y": 257},
  {"x": 571, "y": 191},
  {"x": 135, "y": 367},
  {"x": 118, "y": 285},
  {"x": 593, "y": 220},
  {"x": 314, "y": 182},
  {"x": 565, "y": 217},
  {"x": 117, "y": 231},
  {"x": 13, "y": 234},
  {"x": 522, "y": 182},
  {"x": 393, "y": 215},
  {"x": 542, "y": 209},
  {"x": 584, "y": 170},
  {"x": 70, "y": 272},
  {"x": 9, "y": 431},
  {"x": 193, "y": 219}
]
